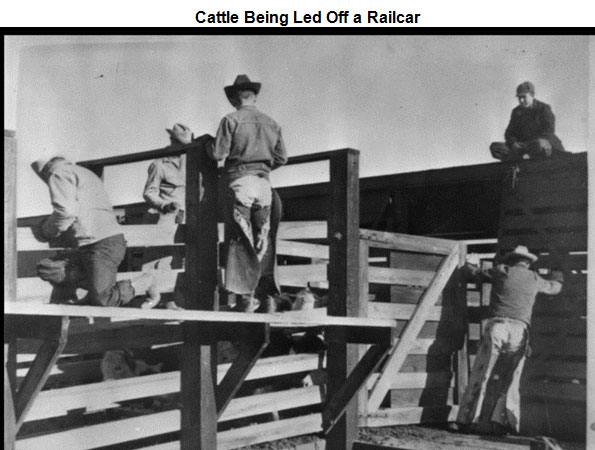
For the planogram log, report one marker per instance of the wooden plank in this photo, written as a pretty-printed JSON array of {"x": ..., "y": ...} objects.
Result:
[
  {"x": 568, "y": 198},
  {"x": 400, "y": 311},
  {"x": 156, "y": 236},
  {"x": 249, "y": 351},
  {"x": 10, "y": 216},
  {"x": 401, "y": 398},
  {"x": 388, "y": 275},
  {"x": 406, "y": 294},
  {"x": 48, "y": 353},
  {"x": 273, "y": 401},
  {"x": 570, "y": 346},
  {"x": 556, "y": 368},
  {"x": 413, "y": 415},
  {"x": 412, "y": 329},
  {"x": 547, "y": 324},
  {"x": 414, "y": 261},
  {"x": 417, "y": 380},
  {"x": 574, "y": 219},
  {"x": 198, "y": 369},
  {"x": 229, "y": 318},
  {"x": 302, "y": 230},
  {"x": 56, "y": 402},
  {"x": 555, "y": 391},
  {"x": 10, "y": 423},
  {"x": 531, "y": 185},
  {"x": 337, "y": 404},
  {"x": 302, "y": 249},
  {"x": 344, "y": 292},
  {"x": 33, "y": 289},
  {"x": 570, "y": 241},
  {"x": 259, "y": 433},
  {"x": 407, "y": 242},
  {"x": 299, "y": 275}
]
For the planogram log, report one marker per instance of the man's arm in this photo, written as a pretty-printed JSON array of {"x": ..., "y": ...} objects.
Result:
[
  {"x": 548, "y": 122},
  {"x": 63, "y": 196},
  {"x": 552, "y": 286},
  {"x": 279, "y": 153},
  {"x": 151, "y": 191},
  {"x": 474, "y": 274},
  {"x": 223, "y": 138}
]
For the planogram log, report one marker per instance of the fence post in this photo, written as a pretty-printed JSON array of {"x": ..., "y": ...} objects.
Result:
[
  {"x": 10, "y": 216},
  {"x": 343, "y": 276},
  {"x": 199, "y": 365},
  {"x": 462, "y": 363}
]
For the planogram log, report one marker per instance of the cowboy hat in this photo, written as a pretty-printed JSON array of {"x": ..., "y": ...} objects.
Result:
[
  {"x": 520, "y": 251},
  {"x": 180, "y": 133},
  {"x": 46, "y": 155},
  {"x": 242, "y": 82}
]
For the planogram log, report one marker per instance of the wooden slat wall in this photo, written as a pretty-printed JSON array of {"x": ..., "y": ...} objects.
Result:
[
  {"x": 554, "y": 379},
  {"x": 425, "y": 381}
]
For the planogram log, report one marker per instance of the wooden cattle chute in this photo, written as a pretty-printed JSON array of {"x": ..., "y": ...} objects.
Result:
[{"x": 205, "y": 401}]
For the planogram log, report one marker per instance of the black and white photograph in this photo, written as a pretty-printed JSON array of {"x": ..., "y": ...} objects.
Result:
[{"x": 298, "y": 241}]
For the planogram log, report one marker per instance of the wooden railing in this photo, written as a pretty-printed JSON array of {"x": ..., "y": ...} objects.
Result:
[{"x": 404, "y": 275}]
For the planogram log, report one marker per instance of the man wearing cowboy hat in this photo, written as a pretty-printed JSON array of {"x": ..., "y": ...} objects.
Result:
[
  {"x": 252, "y": 145},
  {"x": 531, "y": 131},
  {"x": 165, "y": 188},
  {"x": 165, "y": 192},
  {"x": 491, "y": 402},
  {"x": 83, "y": 216}
]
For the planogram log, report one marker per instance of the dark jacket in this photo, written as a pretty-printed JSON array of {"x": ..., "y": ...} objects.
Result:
[{"x": 528, "y": 124}]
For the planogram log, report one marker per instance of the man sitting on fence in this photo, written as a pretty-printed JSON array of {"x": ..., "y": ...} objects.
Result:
[
  {"x": 83, "y": 217},
  {"x": 531, "y": 130},
  {"x": 251, "y": 144},
  {"x": 491, "y": 402}
]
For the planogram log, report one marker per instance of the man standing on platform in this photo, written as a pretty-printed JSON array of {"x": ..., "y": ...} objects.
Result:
[
  {"x": 491, "y": 402},
  {"x": 531, "y": 131},
  {"x": 165, "y": 188},
  {"x": 251, "y": 144}
]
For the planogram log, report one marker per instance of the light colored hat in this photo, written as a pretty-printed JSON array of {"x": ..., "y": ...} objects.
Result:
[
  {"x": 42, "y": 159},
  {"x": 181, "y": 133},
  {"x": 521, "y": 251}
]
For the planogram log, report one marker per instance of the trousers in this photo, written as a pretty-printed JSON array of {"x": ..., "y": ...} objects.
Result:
[
  {"x": 92, "y": 267},
  {"x": 538, "y": 148},
  {"x": 492, "y": 395}
]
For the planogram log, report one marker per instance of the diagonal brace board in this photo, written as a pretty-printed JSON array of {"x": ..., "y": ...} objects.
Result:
[
  {"x": 335, "y": 406},
  {"x": 412, "y": 329},
  {"x": 54, "y": 333},
  {"x": 250, "y": 351}
]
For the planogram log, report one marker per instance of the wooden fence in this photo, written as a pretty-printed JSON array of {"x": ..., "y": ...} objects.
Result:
[{"x": 410, "y": 283}]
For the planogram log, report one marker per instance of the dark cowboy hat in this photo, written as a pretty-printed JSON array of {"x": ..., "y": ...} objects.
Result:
[
  {"x": 242, "y": 82},
  {"x": 520, "y": 251}
]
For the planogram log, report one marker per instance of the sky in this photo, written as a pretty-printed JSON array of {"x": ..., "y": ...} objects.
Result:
[{"x": 408, "y": 103}]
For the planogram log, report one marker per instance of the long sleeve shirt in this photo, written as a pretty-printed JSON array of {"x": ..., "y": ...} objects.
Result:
[
  {"x": 166, "y": 182},
  {"x": 80, "y": 204},
  {"x": 514, "y": 289},
  {"x": 248, "y": 137}
]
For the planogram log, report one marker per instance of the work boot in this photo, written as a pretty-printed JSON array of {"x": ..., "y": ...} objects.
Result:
[
  {"x": 247, "y": 303},
  {"x": 146, "y": 284}
]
